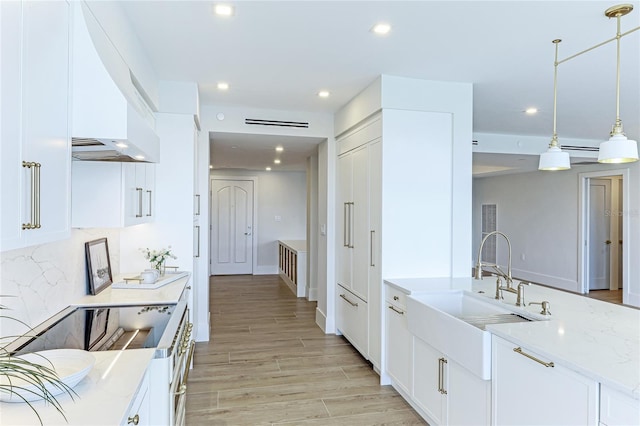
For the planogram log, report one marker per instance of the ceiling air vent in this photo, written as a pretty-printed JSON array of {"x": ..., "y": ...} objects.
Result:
[{"x": 277, "y": 123}]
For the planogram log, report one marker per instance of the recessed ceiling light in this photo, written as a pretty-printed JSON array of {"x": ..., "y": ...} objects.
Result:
[
  {"x": 223, "y": 10},
  {"x": 223, "y": 86},
  {"x": 122, "y": 145},
  {"x": 279, "y": 149},
  {"x": 381, "y": 29},
  {"x": 323, "y": 94},
  {"x": 211, "y": 166},
  {"x": 276, "y": 161},
  {"x": 531, "y": 110},
  {"x": 268, "y": 169}
]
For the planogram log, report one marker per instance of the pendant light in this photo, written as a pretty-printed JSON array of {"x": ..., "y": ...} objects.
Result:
[
  {"x": 618, "y": 149},
  {"x": 554, "y": 158}
]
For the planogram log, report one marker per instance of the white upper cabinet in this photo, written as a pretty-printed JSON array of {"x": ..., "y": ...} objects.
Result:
[{"x": 36, "y": 154}]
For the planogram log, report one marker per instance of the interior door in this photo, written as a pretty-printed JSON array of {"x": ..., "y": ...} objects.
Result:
[
  {"x": 231, "y": 227},
  {"x": 599, "y": 243}
]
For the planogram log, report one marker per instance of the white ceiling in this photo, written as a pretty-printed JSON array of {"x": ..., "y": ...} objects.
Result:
[{"x": 279, "y": 54}]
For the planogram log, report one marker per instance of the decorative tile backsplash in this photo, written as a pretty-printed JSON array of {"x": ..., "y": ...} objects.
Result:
[{"x": 39, "y": 281}]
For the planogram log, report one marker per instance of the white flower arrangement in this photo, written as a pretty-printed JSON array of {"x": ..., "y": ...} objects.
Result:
[{"x": 158, "y": 257}]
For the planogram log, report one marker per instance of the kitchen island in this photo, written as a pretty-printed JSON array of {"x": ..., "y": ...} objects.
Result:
[
  {"x": 598, "y": 342},
  {"x": 116, "y": 388}
]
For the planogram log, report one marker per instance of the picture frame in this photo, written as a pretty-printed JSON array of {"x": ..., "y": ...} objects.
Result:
[
  {"x": 98, "y": 265},
  {"x": 97, "y": 322}
]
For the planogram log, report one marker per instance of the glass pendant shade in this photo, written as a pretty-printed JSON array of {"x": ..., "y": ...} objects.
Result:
[
  {"x": 554, "y": 159},
  {"x": 618, "y": 149}
]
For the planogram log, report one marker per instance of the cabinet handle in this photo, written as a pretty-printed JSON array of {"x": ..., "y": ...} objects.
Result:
[
  {"x": 133, "y": 420},
  {"x": 197, "y": 228},
  {"x": 441, "y": 363},
  {"x": 150, "y": 194},
  {"x": 185, "y": 376},
  {"x": 34, "y": 221},
  {"x": 394, "y": 309},
  {"x": 372, "y": 237},
  {"x": 346, "y": 218},
  {"x": 198, "y": 205},
  {"x": 521, "y": 352},
  {"x": 352, "y": 207},
  {"x": 139, "y": 190},
  {"x": 348, "y": 301}
]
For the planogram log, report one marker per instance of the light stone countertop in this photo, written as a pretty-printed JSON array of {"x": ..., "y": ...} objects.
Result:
[
  {"x": 597, "y": 339},
  {"x": 104, "y": 395}
]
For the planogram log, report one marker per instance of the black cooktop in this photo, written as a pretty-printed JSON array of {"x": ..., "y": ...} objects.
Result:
[{"x": 104, "y": 328}]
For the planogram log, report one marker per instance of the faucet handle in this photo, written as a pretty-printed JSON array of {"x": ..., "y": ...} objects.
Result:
[{"x": 545, "y": 307}]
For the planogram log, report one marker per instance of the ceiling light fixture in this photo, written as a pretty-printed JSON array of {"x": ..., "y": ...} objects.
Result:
[
  {"x": 618, "y": 149},
  {"x": 268, "y": 169},
  {"x": 276, "y": 161},
  {"x": 223, "y": 10},
  {"x": 554, "y": 158},
  {"x": 381, "y": 29},
  {"x": 531, "y": 110},
  {"x": 323, "y": 94},
  {"x": 279, "y": 149},
  {"x": 223, "y": 86}
]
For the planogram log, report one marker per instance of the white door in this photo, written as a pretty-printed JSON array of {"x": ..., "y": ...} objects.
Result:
[
  {"x": 599, "y": 233},
  {"x": 231, "y": 227}
]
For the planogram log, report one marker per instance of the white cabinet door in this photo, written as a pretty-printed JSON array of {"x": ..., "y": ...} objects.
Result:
[
  {"x": 36, "y": 147},
  {"x": 360, "y": 222},
  {"x": 528, "y": 390},
  {"x": 374, "y": 237},
  {"x": 140, "y": 407},
  {"x": 429, "y": 381},
  {"x": 617, "y": 409},
  {"x": 399, "y": 347},
  {"x": 351, "y": 319},
  {"x": 344, "y": 252},
  {"x": 468, "y": 397}
]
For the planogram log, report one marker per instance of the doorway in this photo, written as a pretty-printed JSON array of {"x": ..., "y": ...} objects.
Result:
[
  {"x": 602, "y": 230},
  {"x": 232, "y": 226}
]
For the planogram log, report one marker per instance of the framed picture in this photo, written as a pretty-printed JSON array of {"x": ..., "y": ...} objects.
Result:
[
  {"x": 98, "y": 265},
  {"x": 96, "y": 326}
]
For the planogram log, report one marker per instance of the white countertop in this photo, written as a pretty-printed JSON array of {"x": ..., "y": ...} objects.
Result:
[
  {"x": 598, "y": 339},
  {"x": 104, "y": 395},
  {"x": 169, "y": 293}
]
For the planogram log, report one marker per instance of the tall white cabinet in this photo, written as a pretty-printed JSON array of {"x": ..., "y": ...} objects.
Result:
[{"x": 36, "y": 149}]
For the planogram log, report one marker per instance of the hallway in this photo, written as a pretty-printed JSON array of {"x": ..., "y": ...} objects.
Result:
[{"x": 268, "y": 363}]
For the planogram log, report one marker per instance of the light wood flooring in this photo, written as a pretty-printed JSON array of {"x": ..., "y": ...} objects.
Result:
[
  {"x": 268, "y": 363},
  {"x": 613, "y": 296}
]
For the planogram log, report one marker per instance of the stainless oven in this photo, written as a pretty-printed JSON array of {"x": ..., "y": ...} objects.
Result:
[{"x": 101, "y": 328}]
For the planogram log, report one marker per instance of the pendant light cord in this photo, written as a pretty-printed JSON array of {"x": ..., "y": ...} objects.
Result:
[{"x": 554, "y": 139}]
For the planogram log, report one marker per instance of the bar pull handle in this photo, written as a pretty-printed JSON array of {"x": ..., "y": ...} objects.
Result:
[
  {"x": 352, "y": 207},
  {"x": 345, "y": 208},
  {"x": 396, "y": 310},
  {"x": 441, "y": 363},
  {"x": 34, "y": 220},
  {"x": 139, "y": 191},
  {"x": 521, "y": 352},
  {"x": 371, "y": 245},
  {"x": 197, "y": 205},
  {"x": 183, "y": 385},
  {"x": 197, "y": 228},
  {"x": 348, "y": 301},
  {"x": 149, "y": 192}
]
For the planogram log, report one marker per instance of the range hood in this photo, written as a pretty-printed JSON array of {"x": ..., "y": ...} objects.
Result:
[{"x": 111, "y": 120}]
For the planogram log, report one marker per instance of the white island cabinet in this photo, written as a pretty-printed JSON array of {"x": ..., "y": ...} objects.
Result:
[
  {"x": 399, "y": 342},
  {"x": 530, "y": 389},
  {"x": 35, "y": 141},
  {"x": 617, "y": 409},
  {"x": 140, "y": 408}
]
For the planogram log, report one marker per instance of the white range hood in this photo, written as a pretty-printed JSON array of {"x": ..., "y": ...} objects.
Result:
[{"x": 111, "y": 120}]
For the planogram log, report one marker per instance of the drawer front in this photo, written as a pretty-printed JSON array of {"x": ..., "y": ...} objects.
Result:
[
  {"x": 352, "y": 319},
  {"x": 618, "y": 409},
  {"x": 396, "y": 297}
]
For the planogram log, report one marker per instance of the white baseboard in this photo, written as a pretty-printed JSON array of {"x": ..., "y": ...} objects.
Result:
[
  {"x": 321, "y": 320},
  {"x": 548, "y": 280},
  {"x": 203, "y": 329}
]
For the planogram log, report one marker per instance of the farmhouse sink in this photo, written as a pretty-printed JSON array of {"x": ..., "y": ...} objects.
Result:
[{"x": 453, "y": 322}]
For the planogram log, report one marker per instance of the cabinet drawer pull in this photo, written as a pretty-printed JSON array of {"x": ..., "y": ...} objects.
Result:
[
  {"x": 394, "y": 309},
  {"x": 521, "y": 352},
  {"x": 34, "y": 222},
  {"x": 133, "y": 420},
  {"x": 139, "y": 191},
  {"x": 441, "y": 363},
  {"x": 396, "y": 298},
  {"x": 348, "y": 301}
]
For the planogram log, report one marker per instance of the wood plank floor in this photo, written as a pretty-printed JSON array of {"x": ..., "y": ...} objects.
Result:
[
  {"x": 612, "y": 296},
  {"x": 268, "y": 363}
]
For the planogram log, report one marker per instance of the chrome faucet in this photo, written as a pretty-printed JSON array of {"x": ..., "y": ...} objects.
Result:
[{"x": 479, "y": 264}]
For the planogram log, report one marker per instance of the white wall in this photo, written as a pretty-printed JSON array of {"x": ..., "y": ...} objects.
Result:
[
  {"x": 540, "y": 212},
  {"x": 281, "y": 194}
]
